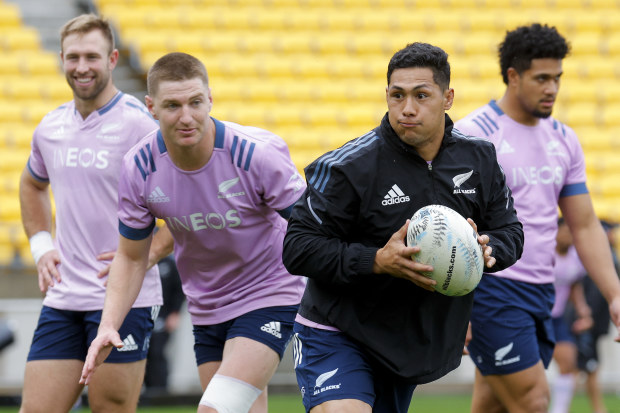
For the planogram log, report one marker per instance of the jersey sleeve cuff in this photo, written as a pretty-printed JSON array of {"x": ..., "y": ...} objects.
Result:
[
  {"x": 34, "y": 175},
  {"x": 133, "y": 233}
]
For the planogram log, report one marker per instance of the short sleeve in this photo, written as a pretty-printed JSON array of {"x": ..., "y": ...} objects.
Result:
[
  {"x": 36, "y": 163},
  {"x": 135, "y": 220},
  {"x": 282, "y": 185}
]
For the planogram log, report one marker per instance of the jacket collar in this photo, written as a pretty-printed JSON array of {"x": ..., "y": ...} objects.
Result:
[{"x": 385, "y": 130}]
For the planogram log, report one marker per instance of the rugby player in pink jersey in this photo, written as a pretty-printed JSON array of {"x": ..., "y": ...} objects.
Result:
[
  {"x": 512, "y": 334},
  {"x": 78, "y": 150},
  {"x": 225, "y": 192}
]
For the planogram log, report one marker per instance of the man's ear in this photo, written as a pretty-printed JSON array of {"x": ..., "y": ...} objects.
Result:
[
  {"x": 149, "y": 104},
  {"x": 448, "y": 96},
  {"x": 513, "y": 76}
]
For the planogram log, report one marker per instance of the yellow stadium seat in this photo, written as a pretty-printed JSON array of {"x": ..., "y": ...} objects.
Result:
[
  {"x": 14, "y": 160},
  {"x": 296, "y": 43},
  {"x": 599, "y": 138},
  {"x": 603, "y": 162},
  {"x": 9, "y": 208},
  {"x": 608, "y": 92},
  {"x": 601, "y": 67},
  {"x": 587, "y": 44},
  {"x": 19, "y": 39},
  {"x": 606, "y": 186},
  {"x": 10, "y": 15},
  {"x": 578, "y": 114},
  {"x": 56, "y": 89},
  {"x": 363, "y": 20},
  {"x": 608, "y": 209},
  {"x": 579, "y": 91},
  {"x": 609, "y": 115},
  {"x": 612, "y": 45},
  {"x": 9, "y": 183},
  {"x": 16, "y": 135},
  {"x": 300, "y": 20}
]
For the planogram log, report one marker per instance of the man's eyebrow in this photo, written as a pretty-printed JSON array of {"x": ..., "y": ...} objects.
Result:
[{"x": 420, "y": 86}]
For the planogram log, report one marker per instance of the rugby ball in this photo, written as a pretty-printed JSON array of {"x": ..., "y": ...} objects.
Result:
[{"x": 449, "y": 244}]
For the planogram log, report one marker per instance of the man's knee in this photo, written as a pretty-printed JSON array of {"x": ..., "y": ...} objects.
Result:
[{"x": 229, "y": 395}]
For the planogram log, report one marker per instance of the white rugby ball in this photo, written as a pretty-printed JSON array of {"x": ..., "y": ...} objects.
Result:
[{"x": 449, "y": 244}]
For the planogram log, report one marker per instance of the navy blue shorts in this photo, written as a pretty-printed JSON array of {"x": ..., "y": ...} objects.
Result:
[
  {"x": 271, "y": 326},
  {"x": 562, "y": 330},
  {"x": 330, "y": 366},
  {"x": 511, "y": 325},
  {"x": 66, "y": 335}
]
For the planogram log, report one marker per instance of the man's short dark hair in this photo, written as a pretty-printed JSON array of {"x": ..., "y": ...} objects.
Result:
[
  {"x": 422, "y": 55},
  {"x": 526, "y": 43}
]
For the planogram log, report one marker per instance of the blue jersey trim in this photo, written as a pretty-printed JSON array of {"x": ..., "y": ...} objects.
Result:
[
  {"x": 574, "y": 189},
  {"x": 559, "y": 125},
  {"x": 34, "y": 175},
  {"x": 481, "y": 126},
  {"x": 233, "y": 148},
  {"x": 133, "y": 233},
  {"x": 322, "y": 173},
  {"x": 497, "y": 109},
  {"x": 220, "y": 129},
  {"x": 110, "y": 104},
  {"x": 160, "y": 142},
  {"x": 139, "y": 165},
  {"x": 286, "y": 212},
  {"x": 249, "y": 157},
  {"x": 241, "y": 151},
  {"x": 140, "y": 108}
]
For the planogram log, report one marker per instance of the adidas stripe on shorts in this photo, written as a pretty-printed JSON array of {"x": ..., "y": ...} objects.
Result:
[
  {"x": 64, "y": 334},
  {"x": 271, "y": 326}
]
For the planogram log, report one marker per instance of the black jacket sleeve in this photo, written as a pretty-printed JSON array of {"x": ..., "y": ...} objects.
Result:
[{"x": 316, "y": 244}]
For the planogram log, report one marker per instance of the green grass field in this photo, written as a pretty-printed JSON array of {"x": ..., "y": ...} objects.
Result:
[{"x": 422, "y": 403}]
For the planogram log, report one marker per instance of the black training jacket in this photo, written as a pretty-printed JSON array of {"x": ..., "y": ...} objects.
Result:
[{"x": 358, "y": 196}]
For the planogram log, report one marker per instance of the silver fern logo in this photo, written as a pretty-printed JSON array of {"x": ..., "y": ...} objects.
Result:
[
  {"x": 460, "y": 180},
  {"x": 224, "y": 186},
  {"x": 320, "y": 381},
  {"x": 503, "y": 352}
]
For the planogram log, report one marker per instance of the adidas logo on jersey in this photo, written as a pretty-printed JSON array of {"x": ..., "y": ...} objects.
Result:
[
  {"x": 395, "y": 196},
  {"x": 129, "y": 344},
  {"x": 157, "y": 196},
  {"x": 272, "y": 328},
  {"x": 505, "y": 147}
]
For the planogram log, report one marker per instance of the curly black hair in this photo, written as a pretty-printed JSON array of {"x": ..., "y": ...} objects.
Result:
[
  {"x": 525, "y": 43},
  {"x": 422, "y": 55}
]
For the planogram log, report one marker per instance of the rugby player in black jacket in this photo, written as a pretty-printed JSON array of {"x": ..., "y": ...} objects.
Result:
[{"x": 369, "y": 326}]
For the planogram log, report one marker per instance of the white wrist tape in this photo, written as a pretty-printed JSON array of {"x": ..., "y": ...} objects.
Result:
[
  {"x": 229, "y": 395},
  {"x": 40, "y": 243}
]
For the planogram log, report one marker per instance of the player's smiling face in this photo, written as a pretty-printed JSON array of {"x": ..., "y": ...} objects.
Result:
[
  {"x": 182, "y": 108},
  {"x": 417, "y": 105},
  {"x": 88, "y": 63}
]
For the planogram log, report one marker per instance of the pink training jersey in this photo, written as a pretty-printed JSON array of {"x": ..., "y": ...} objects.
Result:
[
  {"x": 82, "y": 159},
  {"x": 542, "y": 163},
  {"x": 223, "y": 217},
  {"x": 568, "y": 270}
]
